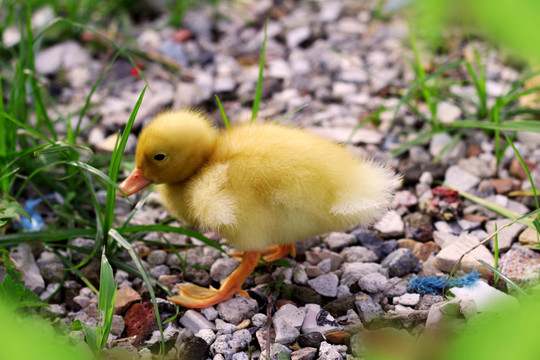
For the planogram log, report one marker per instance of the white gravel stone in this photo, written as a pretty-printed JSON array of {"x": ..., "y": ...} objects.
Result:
[
  {"x": 259, "y": 320},
  {"x": 299, "y": 274},
  {"x": 373, "y": 283},
  {"x": 297, "y": 36},
  {"x": 486, "y": 297},
  {"x": 194, "y": 321},
  {"x": 448, "y": 112},
  {"x": 210, "y": 313},
  {"x": 207, "y": 335},
  {"x": 407, "y": 299},
  {"x": 460, "y": 179},
  {"x": 449, "y": 256},
  {"x": 222, "y": 268},
  {"x": 391, "y": 225},
  {"x": 325, "y": 285},
  {"x": 506, "y": 236},
  {"x": 319, "y": 320},
  {"x": 337, "y": 241}
]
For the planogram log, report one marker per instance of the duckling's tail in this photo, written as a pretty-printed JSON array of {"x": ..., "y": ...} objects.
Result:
[{"x": 369, "y": 194}]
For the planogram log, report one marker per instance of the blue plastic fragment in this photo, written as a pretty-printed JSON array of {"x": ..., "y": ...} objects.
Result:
[
  {"x": 434, "y": 284},
  {"x": 35, "y": 222}
]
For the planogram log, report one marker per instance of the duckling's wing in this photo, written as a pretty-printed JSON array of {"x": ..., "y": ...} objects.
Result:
[{"x": 211, "y": 204}]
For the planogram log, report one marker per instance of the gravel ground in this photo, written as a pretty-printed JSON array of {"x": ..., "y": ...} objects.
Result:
[{"x": 345, "y": 64}]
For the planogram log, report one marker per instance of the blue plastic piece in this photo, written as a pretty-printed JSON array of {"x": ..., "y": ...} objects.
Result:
[{"x": 434, "y": 284}]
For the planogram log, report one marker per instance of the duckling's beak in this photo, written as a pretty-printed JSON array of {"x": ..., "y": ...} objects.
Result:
[{"x": 134, "y": 182}]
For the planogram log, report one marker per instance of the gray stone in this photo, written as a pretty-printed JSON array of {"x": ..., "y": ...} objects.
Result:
[
  {"x": 506, "y": 236},
  {"x": 308, "y": 353},
  {"x": 319, "y": 320},
  {"x": 358, "y": 254},
  {"x": 210, "y": 313},
  {"x": 297, "y": 36},
  {"x": 325, "y": 265},
  {"x": 325, "y": 285},
  {"x": 222, "y": 268},
  {"x": 343, "y": 291},
  {"x": 477, "y": 167},
  {"x": 224, "y": 327},
  {"x": 159, "y": 270},
  {"x": 332, "y": 352},
  {"x": 400, "y": 262},
  {"x": 368, "y": 309},
  {"x": 31, "y": 275},
  {"x": 460, "y": 179},
  {"x": 156, "y": 257},
  {"x": 49, "y": 291},
  {"x": 448, "y": 112},
  {"x": 286, "y": 332},
  {"x": 118, "y": 325},
  {"x": 419, "y": 155},
  {"x": 330, "y": 11},
  {"x": 291, "y": 314},
  {"x": 279, "y": 351},
  {"x": 53, "y": 310},
  {"x": 352, "y": 272},
  {"x": 391, "y": 225},
  {"x": 453, "y": 154},
  {"x": 373, "y": 283},
  {"x": 240, "y": 356},
  {"x": 337, "y": 241},
  {"x": 237, "y": 309},
  {"x": 207, "y": 335},
  {"x": 407, "y": 299},
  {"x": 169, "y": 332},
  {"x": 505, "y": 202},
  {"x": 194, "y": 321},
  {"x": 232, "y": 343},
  {"x": 259, "y": 320},
  {"x": 396, "y": 287},
  {"x": 66, "y": 55}
]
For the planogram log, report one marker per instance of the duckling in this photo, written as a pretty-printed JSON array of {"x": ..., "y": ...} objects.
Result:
[{"x": 261, "y": 186}]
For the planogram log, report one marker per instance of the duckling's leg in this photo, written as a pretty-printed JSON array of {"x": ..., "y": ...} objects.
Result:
[
  {"x": 271, "y": 254},
  {"x": 194, "y": 296}
]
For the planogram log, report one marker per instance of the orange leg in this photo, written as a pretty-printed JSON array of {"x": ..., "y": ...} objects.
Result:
[
  {"x": 194, "y": 296},
  {"x": 272, "y": 254}
]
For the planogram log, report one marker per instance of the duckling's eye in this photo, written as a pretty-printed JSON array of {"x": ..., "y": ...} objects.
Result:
[{"x": 159, "y": 157}]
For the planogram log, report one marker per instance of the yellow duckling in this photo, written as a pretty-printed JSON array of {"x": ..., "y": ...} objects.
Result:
[{"x": 261, "y": 186}]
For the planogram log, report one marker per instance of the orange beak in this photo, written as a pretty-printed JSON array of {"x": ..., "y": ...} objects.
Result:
[{"x": 134, "y": 182}]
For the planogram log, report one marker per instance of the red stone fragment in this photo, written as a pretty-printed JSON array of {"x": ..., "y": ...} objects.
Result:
[
  {"x": 445, "y": 194},
  {"x": 182, "y": 35},
  {"x": 140, "y": 320}
]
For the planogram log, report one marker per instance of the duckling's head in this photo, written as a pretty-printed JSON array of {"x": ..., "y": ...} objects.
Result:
[{"x": 170, "y": 149}]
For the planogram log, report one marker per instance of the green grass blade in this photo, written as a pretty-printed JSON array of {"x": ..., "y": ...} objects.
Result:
[
  {"x": 133, "y": 254},
  {"x": 518, "y": 125},
  {"x": 504, "y": 277},
  {"x": 509, "y": 214},
  {"x": 115, "y": 166},
  {"x": 173, "y": 229},
  {"x": 525, "y": 168},
  {"x": 33, "y": 131},
  {"x": 422, "y": 137},
  {"x": 258, "y": 91},
  {"x": 51, "y": 235},
  {"x": 223, "y": 115},
  {"x": 290, "y": 113},
  {"x": 107, "y": 294}
]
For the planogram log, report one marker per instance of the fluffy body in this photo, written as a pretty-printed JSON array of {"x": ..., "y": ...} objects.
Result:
[{"x": 260, "y": 185}]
